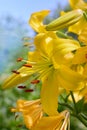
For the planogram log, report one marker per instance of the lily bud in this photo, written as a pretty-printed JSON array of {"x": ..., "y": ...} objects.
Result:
[{"x": 66, "y": 20}]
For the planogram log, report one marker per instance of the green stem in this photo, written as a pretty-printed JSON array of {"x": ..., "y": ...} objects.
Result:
[
  {"x": 82, "y": 120},
  {"x": 76, "y": 114},
  {"x": 62, "y": 98},
  {"x": 61, "y": 34},
  {"x": 83, "y": 115},
  {"x": 74, "y": 102},
  {"x": 66, "y": 105}
]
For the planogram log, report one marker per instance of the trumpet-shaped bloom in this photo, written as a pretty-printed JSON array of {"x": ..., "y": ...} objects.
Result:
[
  {"x": 60, "y": 122},
  {"x": 35, "y": 120},
  {"x": 31, "y": 110},
  {"x": 51, "y": 61}
]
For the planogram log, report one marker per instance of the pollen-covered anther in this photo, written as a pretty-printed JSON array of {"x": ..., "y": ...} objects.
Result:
[
  {"x": 29, "y": 90},
  {"x": 28, "y": 65},
  {"x": 21, "y": 87},
  {"x": 35, "y": 81},
  {"x": 19, "y": 59},
  {"x": 15, "y": 71}
]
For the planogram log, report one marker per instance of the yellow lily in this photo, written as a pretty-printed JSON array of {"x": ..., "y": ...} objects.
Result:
[
  {"x": 70, "y": 18},
  {"x": 31, "y": 110},
  {"x": 60, "y": 122},
  {"x": 51, "y": 61},
  {"x": 51, "y": 64},
  {"x": 35, "y": 120}
]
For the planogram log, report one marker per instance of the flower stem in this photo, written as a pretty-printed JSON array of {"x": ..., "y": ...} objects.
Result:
[
  {"x": 81, "y": 119},
  {"x": 61, "y": 34},
  {"x": 66, "y": 105},
  {"x": 74, "y": 102},
  {"x": 78, "y": 115}
]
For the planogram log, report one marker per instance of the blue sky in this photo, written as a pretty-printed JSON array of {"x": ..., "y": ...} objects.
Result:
[{"x": 23, "y": 8}]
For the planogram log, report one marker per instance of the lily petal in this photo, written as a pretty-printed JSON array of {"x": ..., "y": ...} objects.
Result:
[
  {"x": 80, "y": 56},
  {"x": 59, "y": 122},
  {"x": 77, "y": 27},
  {"x": 78, "y": 4},
  {"x": 31, "y": 110},
  {"x": 36, "y": 20},
  {"x": 62, "y": 50},
  {"x": 49, "y": 94},
  {"x": 69, "y": 79},
  {"x": 83, "y": 35},
  {"x": 16, "y": 79},
  {"x": 44, "y": 43}
]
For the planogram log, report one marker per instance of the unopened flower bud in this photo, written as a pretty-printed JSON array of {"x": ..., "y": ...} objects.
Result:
[{"x": 66, "y": 20}]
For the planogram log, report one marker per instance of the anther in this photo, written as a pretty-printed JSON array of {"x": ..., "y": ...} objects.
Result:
[
  {"x": 19, "y": 59},
  {"x": 21, "y": 87},
  {"x": 15, "y": 71},
  {"x": 35, "y": 81},
  {"x": 29, "y": 90},
  {"x": 27, "y": 65}
]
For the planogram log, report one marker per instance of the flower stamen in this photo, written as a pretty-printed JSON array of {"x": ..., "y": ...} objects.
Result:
[{"x": 15, "y": 71}]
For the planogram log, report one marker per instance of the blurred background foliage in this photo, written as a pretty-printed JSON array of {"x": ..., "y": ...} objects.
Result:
[{"x": 12, "y": 34}]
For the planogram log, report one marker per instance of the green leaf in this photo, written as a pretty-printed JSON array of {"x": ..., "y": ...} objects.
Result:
[{"x": 80, "y": 105}]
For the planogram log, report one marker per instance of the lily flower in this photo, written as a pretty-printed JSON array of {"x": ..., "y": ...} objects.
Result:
[
  {"x": 60, "y": 122},
  {"x": 50, "y": 63},
  {"x": 31, "y": 110}
]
